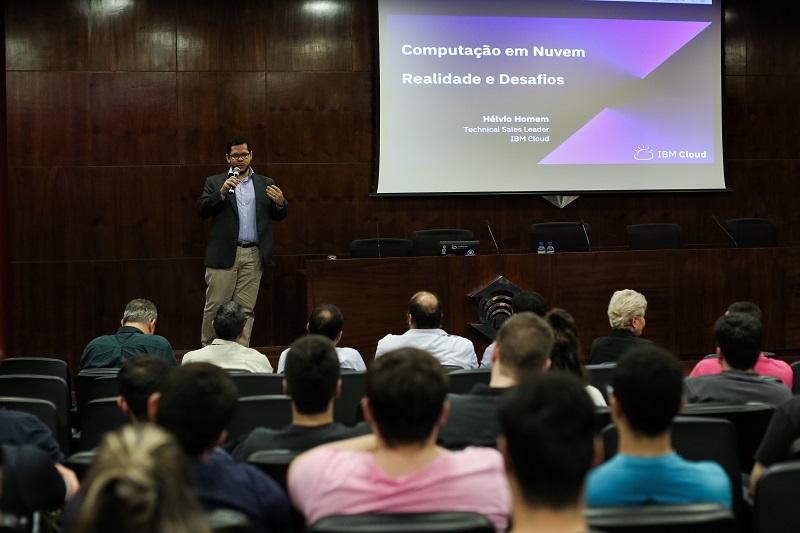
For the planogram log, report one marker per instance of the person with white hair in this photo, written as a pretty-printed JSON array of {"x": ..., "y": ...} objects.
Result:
[{"x": 626, "y": 317}]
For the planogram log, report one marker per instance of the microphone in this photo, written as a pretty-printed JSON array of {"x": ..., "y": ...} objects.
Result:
[
  {"x": 497, "y": 248},
  {"x": 234, "y": 174},
  {"x": 378, "y": 233},
  {"x": 735, "y": 244},
  {"x": 586, "y": 234}
]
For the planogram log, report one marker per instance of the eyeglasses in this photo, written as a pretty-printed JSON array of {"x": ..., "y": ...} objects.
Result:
[{"x": 239, "y": 156}]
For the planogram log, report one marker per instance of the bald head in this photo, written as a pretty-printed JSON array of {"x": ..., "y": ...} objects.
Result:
[{"x": 425, "y": 311}]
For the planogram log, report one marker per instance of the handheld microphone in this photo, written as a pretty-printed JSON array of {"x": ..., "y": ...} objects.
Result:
[
  {"x": 378, "y": 233},
  {"x": 497, "y": 248},
  {"x": 234, "y": 174},
  {"x": 586, "y": 234},
  {"x": 735, "y": 244}
]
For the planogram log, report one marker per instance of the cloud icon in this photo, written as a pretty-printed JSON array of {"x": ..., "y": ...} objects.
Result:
[{"x": 643, "y": 153}]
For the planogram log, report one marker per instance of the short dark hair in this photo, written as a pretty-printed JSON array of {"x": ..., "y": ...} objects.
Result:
[
  {"x": 746, "y": 307},
  {"x": 425, "y": 316},
  {"x": 237, "y": 141},
  {"x": 406, "y": 390},
  {"x": 566, "y": 353},
  {"x": 524, "y": 343},
  {"x": 739, "y": 337},
  {"x": 648, "y": 384},
  {"x": 529, "y": 301},
  {"x": 327, "y": 320},
  {"x": 197, "y": 403},
  {"x": 229, "y": 321},
  {"x": 548, "y": 424},
  {"x": 311, "y": 373},
  {"x": 139, "y": 377}
]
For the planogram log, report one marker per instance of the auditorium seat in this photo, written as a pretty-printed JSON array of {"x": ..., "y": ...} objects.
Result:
[
  {"x": 97, "y": 418},
  {"x": 565, "y": 236},
  {"x": 347, "y": 407},
  {"x": 389, "y": 247},
  {"x": 228, "y": 521},
  {"x": 270, "y": 411},
  {"x": 655, "y": 237},
  {"x": 274, "y": 463},
  {"x": 462, "y": 380},
  {"x": 80, "y": 462},
  {"x": 443, "y": 522},
  {"x": 256, "y": 383},
  {"x": 102, "y": 387},
  {"x": 652, "y": 518},
  {"x": 82, "y": 379},
  {"x": 752, "y": 232},
  {"x": 39, "y": 366},
  {"x": 600, "y": 377},
  {"x": 426, "y": 241},
  {"x": 44, "y": 410},
  {"x": 776, "y": 507},
  {"x": 50, "y": 388},
  {"x": 795, "y": 377}
]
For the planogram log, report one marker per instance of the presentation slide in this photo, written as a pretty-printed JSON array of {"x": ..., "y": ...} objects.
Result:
[{"x": 549, "y": 96}]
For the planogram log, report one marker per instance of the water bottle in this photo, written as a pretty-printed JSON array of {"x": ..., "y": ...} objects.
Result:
[
  {"x": 540, "y": 249},
  {"x": 550, "y": 249}
]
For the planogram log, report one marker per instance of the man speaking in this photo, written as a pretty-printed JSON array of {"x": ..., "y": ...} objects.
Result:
[{"x": 242, "y": 205}]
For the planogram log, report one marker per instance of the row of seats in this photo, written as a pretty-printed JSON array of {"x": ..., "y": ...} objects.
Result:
[{"x": 570, "y": 237}]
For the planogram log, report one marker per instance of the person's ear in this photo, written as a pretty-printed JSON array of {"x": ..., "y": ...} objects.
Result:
[{"x": 152, "y": 407}]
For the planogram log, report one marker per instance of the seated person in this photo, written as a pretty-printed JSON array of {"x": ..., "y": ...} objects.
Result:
[
  {"x": 425, "y": 332},
  {"x": 766, "y": 366},
  {"x": 626, "y": 316},
  {"x": 312, "y": 381},
  {"x": 521, "y": 349},
  {"x": 18, "y": 428},
  {"x": 327, "y": 320},
  {"x": 229, "y": 325},
  {"x": 399, "y": 469},
  {"x": 566, "y": 354},
  {"x": 647, "y": 394},
  {"x": 140, "y": 376},
  {"x": 783, "y": 430},
  {"x": 521, "y": 302},
  {"x": 136, "y": 335},
  {"x": 738, "y": 337},
  {"x": 139, "y": 481},
  {"x": 196, "y": 404},
  {"x": 547, "y": 441}
]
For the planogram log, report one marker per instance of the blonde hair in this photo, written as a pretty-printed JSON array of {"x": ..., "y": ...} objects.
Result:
[
  {"x": 625, "y": 305},
  {"x": 139, "y": 482}
]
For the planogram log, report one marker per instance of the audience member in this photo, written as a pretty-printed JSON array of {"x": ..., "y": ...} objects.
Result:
[
  {"x": 399, "y": 469},
  {"x": 136, "y": 335},
  {"x": 766, "y": 366},
  {"x": 225, "y": 351},
  {"x": 566, "y": 354},
  {"x": 196, "y": 404},
  {"x": 140, "y": 376},
  {"x": 32, "y": 482},
  {"x": 18, "y": 428},
  {"x": 646, "y": 395},
  {"x": 139, "y": 481},
  {"x": 425, "y": 332},
  {"x": 522, "y": 348},
  {"x": 782, "y": 432},
  {"x": 312, "y": 381},
  {"x": 626, "y": 316},
  {"x": 547, "y": 428},
  {"x": 738, "y": 338},
  {"x": 327, "y": 320},
  {"x": 521, "y": 302}
]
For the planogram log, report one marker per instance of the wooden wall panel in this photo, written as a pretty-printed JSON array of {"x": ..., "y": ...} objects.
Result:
[
  {"x": 213, "y": 107},
  {"x": 117, "y": 112}
]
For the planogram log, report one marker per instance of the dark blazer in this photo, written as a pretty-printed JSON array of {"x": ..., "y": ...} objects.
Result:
[
  {"x": 608, "y": 349},
  {"x": 221, "y": 247}
]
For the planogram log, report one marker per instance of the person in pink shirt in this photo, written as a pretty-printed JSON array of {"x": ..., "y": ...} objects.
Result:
[
  {"x": 764, "y": 365},
  {"x": 399, "y": 469}
]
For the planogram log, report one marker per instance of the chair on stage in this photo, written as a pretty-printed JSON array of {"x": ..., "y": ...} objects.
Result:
[
  {"x": 386, "y": 247},
  {"x": 655, "y": 237},
  {"x": 565, "y": 236},
  {"x": 426, "y": 241},
  {"x": 752, "y": 232}
]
